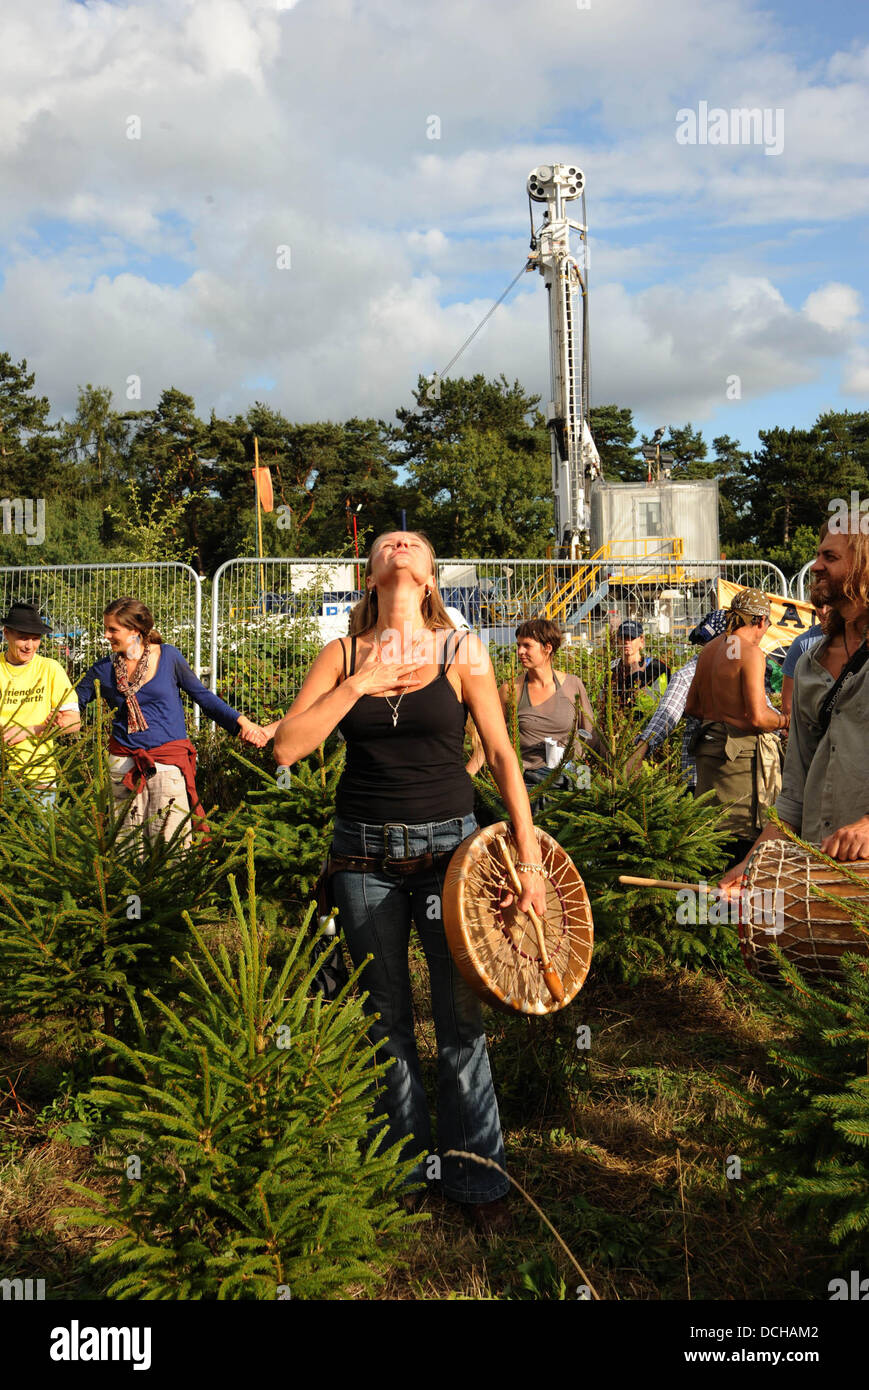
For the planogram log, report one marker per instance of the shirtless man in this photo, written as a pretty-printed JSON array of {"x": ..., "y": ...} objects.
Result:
[
  {"x": 736, "y": 754},
  {"x": 825, "y": 785}
]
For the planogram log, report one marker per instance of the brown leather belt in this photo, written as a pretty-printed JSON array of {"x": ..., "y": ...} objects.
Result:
[{"x": 400, "y": 868}]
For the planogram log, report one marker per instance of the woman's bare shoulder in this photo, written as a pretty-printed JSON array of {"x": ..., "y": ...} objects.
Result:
[
  {"x": 330, "y": 659},
  {"x": 472, "y": 653}
]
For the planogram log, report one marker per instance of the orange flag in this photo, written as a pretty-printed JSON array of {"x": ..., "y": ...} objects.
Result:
[{"x": 263, "y": 480}]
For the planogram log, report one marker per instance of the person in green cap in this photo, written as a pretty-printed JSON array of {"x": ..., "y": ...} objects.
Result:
[{"x": 36, "y": 698}]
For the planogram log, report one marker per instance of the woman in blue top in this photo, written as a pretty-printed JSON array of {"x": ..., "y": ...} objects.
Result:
[{"x": 149, "y": 751}]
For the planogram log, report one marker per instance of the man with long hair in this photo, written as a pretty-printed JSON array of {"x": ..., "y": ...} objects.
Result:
[{"x": 825, "y": 784}]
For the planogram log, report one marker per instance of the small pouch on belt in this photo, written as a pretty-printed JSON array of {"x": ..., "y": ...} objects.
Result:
[
  {"x": 332, "y": 975},
  {"x": 321, "y": 890}
]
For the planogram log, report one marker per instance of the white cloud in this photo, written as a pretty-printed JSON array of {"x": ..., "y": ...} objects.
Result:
[
  {"x": 856, "y": 378},
  {"x": 267, "y": 124},
  {"x": 833, "y": 306}
]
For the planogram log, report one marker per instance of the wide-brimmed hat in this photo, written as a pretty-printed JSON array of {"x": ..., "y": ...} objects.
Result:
[
  {"x": 24, "y": 618},
  {"x": 751, "y": 602}
]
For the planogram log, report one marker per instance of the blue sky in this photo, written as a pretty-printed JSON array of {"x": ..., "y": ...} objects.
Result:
[{"x": 261, "y": 124}]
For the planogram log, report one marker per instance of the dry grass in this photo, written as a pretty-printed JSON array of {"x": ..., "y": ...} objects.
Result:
[
  {"x": 596, "y": 1138},
  {"x": 35, "y": 1240}
]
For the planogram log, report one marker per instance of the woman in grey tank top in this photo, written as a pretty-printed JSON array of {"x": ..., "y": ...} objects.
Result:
[{"x": 545, "y": 699}]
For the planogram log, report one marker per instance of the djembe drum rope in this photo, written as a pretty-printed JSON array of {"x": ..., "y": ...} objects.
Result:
[{"x": 811, "y": 927}]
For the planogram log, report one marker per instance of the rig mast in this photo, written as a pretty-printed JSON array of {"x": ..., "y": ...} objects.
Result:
[{"x": 575, "y": 459}]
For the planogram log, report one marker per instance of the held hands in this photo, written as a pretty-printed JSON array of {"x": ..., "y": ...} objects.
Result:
[{"x": 252, "y": 733}]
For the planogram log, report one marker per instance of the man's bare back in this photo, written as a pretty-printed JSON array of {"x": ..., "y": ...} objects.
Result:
[{"x": 728, "y": 683}]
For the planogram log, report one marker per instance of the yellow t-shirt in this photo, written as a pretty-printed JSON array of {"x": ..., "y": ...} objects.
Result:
[{"x": 28, "y": 694}]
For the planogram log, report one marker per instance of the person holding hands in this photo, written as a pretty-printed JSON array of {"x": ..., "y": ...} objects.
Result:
[{"x": 399, "y": 688}]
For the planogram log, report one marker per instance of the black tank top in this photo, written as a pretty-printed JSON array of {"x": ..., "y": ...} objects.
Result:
[{"x": 411, "y": 771}]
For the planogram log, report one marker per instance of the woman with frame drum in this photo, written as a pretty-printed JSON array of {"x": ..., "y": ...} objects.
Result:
[{"x": 399, "y": 688}]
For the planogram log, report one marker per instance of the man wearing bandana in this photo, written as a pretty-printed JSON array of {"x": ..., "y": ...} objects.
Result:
[{"x": 736, "y": 751}]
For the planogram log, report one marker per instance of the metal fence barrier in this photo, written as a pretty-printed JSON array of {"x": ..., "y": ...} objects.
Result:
[
  {"x": 270, "y": 617},
  {"x": 798, "y": 583},
  {"x": 72, "y": 598}
]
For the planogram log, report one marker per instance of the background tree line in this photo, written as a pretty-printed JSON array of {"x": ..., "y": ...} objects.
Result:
[{"x": 468, "y": 464}]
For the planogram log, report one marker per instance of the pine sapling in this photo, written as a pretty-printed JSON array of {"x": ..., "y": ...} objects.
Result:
[{"x": 242, "y": 1153}]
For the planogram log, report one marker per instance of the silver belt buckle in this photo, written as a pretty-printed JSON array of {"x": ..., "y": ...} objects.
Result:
[{"x": 388, "y": 859}]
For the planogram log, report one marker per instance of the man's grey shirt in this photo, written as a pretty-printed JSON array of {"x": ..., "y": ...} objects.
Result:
[{"x": 825, "y": 783}]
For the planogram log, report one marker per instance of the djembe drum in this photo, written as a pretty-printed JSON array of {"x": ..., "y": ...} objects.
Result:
[
  {"x": 799, "y": 905},
  {"x": 509, "y": 959}
]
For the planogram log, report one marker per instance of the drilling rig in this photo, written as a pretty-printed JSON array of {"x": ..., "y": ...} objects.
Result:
[{"x": 574, "y": 457}]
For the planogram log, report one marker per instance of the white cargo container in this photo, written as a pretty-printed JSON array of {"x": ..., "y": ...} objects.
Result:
[{"x": 642, "y": 520}]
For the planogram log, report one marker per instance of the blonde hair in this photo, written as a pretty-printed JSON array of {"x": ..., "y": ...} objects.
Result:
[{"x": 363, "y": 616}]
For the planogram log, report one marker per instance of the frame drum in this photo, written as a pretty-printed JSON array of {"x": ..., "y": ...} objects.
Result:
[
  {"x": 798, "y": 904},
  {"x": 495, "y": 947}
]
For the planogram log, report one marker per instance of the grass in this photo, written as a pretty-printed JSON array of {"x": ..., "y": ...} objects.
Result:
[
  {"x": 599, "y": 1137},
  {"x": 43, "y": 1145}
]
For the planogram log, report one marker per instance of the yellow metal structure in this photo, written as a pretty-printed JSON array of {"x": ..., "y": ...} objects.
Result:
[{"x": 561, "y": 599}]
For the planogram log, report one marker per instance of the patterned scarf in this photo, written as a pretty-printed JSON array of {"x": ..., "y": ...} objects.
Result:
[
  {"x": 710, "y": 626},
  {"x": 128, "y": 685}
]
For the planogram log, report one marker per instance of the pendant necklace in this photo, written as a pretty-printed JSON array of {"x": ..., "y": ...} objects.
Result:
[{"x": 395, "y": 707}]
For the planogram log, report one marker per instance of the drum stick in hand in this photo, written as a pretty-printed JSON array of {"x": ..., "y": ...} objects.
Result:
[
  {"x": 551, "y": 978},
  {"x": 660, "y": 883}
]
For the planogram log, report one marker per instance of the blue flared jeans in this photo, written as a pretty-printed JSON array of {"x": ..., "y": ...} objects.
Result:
[{"x": 375, "y": 915}]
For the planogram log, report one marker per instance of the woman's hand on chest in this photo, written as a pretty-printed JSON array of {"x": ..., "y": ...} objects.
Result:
[{"x": 384, "y": 670}]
